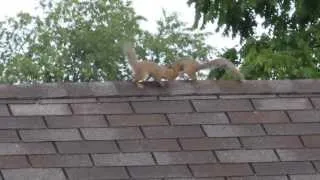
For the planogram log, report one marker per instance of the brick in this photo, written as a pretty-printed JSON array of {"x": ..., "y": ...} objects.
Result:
[
  {"x": 26, "y": 148},
  {"x": 4, "y": 110},
  {"x": 198, "y": 118},
  {"x": 257, "y": 117},
  {"x": 75, "y": 121},
  {"x": 299, "y": 154},
  {"x": 162, "y": 107},
  {"x": 305, "y": 116},
  {"x": 268, "y": 142},
  {"x": 282, "y": 104},
  {"x": 292, "y": 129},
  {"x": 209, "y": 143},
  {"x": 168, "y": 98},
  {"x": 192, "y": 157},
  {"x": 259, "y": 178},
  {"x": 21, "y": 123},
  {"x": 66, "y": 101},
  {"x": 32, "y": 174},
  {"x": 17, "y": 101},
  {"x": 111, "y": 133},
  {"x": 76, "y": 147},
  {"x": 96, "y": 173},
  {"x": 13, "y": 162},
  {"x": 316, "y": 102},
  {"x": 217, "y": 178},
  {"x": 50, "y": 135},
  {"x": 233, "y": 130},
  {"x": 39, "y": 109},
  {"x": 317, "y": 164},
  {"x": 173, "y": 131},
  {"x": 137, "y": 120},
  {"x": 123, "y": 159},
  {"x": 103, "y": 108},
  {"x": 247, "y": 96},
  {"x": 126, "y": 99},
  {"x": 222, "y": 105},
  {"x": 312, "y": 141},
  {"x": 159, "y": 171},
  {"x": 241, "y": 156},
  {"x": 8, "y": 136},
  {"x": 60, "y": 160},
  {"x": 148, "y": 145},
  {"x": 283, "y": 168},
  {"x": 305, "y": 177},
  {"x": 216, "y": 170}
]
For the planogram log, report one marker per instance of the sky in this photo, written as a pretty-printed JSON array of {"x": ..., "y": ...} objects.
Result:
[{"x": 151, "y": 9}]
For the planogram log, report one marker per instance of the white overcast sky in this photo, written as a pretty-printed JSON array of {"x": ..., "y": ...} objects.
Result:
[{"x": 151, "y": 9}]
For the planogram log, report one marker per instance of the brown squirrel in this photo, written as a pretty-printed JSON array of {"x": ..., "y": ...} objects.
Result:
[
  {"x": 146, "y": 69},
  {"x": 190, "y": 66}
]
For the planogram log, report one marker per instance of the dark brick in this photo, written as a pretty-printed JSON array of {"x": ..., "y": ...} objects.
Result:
[
  {"x": 259, "y": 178},
  {"x": 241, "y": 156},
  {"x": 311, "y": 141},
  {"x": 222, "y": 105},
  {"x": 8, "y": 136},
  {"x": 247, "y": 96},
  {"x": 137, "y": 120},
  {"x": 305, "y": 116},
  {"x": 50, "y": 135},
  {"x": 192, "y": 157},
  {"x": 111, "y": 133},
  {"x": 148, "y": 145},
  {"x": 4, "y": 110},
  {"x": 292, "y": 129},
  {"x": 198, "y": 118},
  {"x": 103, "y": 108},
  {"x": 60, "y": 160},
  {"x": 269, "y": 142},
  {"x": 75, "y": 147},
  {"x": 282, "y": 104},
  {"x": 26, "y": 148},
  {"x": 21, "y": 123},
  {"x": 67, "y": 101},
  {"x": 39, "y": 109},
  {"x": 299, "y": 154},
  {"x": 126, "y": 99},
  {"x": 216, "y": 170},
  {"x": 283, "y": 168},
  {"x": 173, "y": 131},
  {"x": 209, "y": 143},
  {"x": 75, "y": 121},
  {"x": 96, "y": 173},
  {"x": 257, "y": 117},
  {"x": 123, "y": 159},
  {"x": 159, "y": 171},
  {"x": 32, "y": 174},
  {"x": 168, "y": 98},
  {"x": 13, "y": 162},
  {"x": 305, "y": 177},
  {"x": 162, "y": 107},
  {"x": 233, "y": 130}
]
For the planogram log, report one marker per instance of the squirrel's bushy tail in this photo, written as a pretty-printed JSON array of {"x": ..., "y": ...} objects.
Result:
[{"x": 130, "y": 52}]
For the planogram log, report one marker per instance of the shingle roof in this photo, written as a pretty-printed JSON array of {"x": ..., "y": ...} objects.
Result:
[{"x": 204, "y": 130}]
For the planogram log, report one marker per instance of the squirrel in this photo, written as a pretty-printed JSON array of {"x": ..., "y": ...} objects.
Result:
[
  {"x": 143, "y": 70},
  {"x": 190, "y": 66}
]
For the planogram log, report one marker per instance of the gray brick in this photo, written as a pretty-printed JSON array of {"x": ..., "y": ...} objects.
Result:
[
  {"x": 299, "y": 154},
  {"x": 96, "y": 173},
  {"x": 126, "y": 99},
  {"x": 282, "y": 104},
  {"x": 4, "y": 110},
  {"x": 148, "y": 145},
  {"x": 21, "y": 123},
  {"x": 173, "y": 131},
  {"x": 316, "y": 102},
  {"x": 259, "y": 178},
  {"x": 268, "y": 142},
  {"x": 233, "y": 130},
  {"x": 159, "y": 171},
  {"x": 76, "y": 147},
  {"x": 311, "y": 141},
  {"x": 257, "y": 117},
  {"x": 209, "y": 143},
  {"x": 39, "y": 109},
  {"x": 123, "y": 159},
  {"x": 111, "y": 133},
  {"x": 305, "y": 116},
  {"x": 192, "y": 157},
  {"x": 162, "y": 107},
  {"x": 222, "y": 105},
  {"x": 293, "y": 129},
  {"x": 32, "y": 174},
  {"x": 137, "y": 120},
  {"x": 8, "y": 136},
  {"x": 168, "y": 98},
  {"x": 247, "y": 96},
  {"x": 283, "y": 168},
  {"x": 50, "y": 135},
  {"x": 60, "y": 161},
  {"x": 26, "y": 148},
  {"x": 242, "y": 156},
  {"x": 103, "y": 108},
  {"x": 198, "y": 118},
  {"x": 75, "y": 121},
  {"x": 217, "y": 170},
  {"x": 67, "y": 101},
  {"x": 13, "y": 162},
  {"x": 305, "y": 177}
]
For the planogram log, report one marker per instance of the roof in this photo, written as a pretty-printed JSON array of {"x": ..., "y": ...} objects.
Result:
[{"x": 204, "y": 130}]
